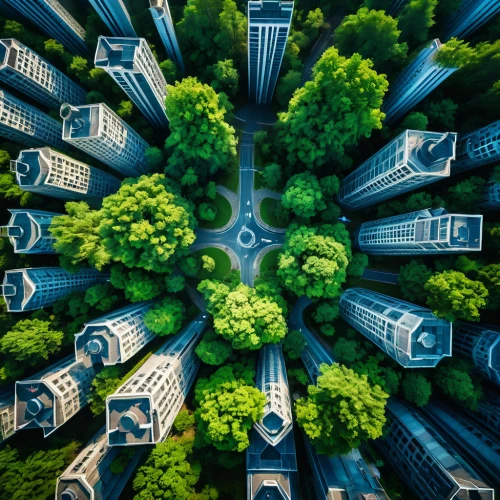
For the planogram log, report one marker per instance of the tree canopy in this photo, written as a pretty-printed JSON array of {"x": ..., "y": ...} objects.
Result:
[
  {"x": 416, "y": 389},
  {"x": 341, "y": 411},
  {"x": 213, "y": 350},
  {"x": 165, "y": 317},
  {"x": 294, "y": 344},
  {"x": 303, "y": 195},
  {"x": 412, "y": 277},
  {"x": 415, "y": 20}
]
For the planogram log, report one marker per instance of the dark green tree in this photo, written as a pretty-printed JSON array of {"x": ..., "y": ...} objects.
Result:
[
  {"x": 412, "y": 278},
  {"x": 272, "y": 176},
  {"x": 415, "y": 20},
  {"x": 104, "y": 384},
  {"x": 287, "y": 85},
  {"x": 348, "y": 351},
  {"x": 137, "y": 284},
  {"x": 416, "y": 389},
  {"x": 226, "y": 77},
  {"x": 294, "y": 344},
  {"x": 213, "y": 350},
  {"x": 103, "y": 297},
  {"x": 441, "y": 114}
]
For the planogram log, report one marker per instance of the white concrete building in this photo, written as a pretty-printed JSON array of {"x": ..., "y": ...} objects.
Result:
[
  {"x": 48, "y": 172},
  {"x": 115, "y": 15},
  {"x": 101, "y": 133},
  {"x": 7, "y": 410},
  {"x": 412, "y": 160}
]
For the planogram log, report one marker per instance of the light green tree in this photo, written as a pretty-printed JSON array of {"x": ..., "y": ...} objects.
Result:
[
  {"x": 225, "y": 77},
  {"x": 165, "y": 317},
  {"x": 303, "y": 195},
  {"x": 208, "y": 263},
  {"x": 415, "y": 20}
]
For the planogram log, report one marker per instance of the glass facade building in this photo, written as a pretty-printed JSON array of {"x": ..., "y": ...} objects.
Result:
[
  {"x": 481, "y": 345},
  {"x": 490, "y": 197},
  {"x": 408, "y": 333},
  {"x": 7, "y": 408},
  {"x": 424, "y": 460},
  {"x": 488, "y": 412},
  {"x": 115, "y": 16},
  {"x": 414, "y": 83},
  {"x": 28, "y": 231},
  {"x": 33, "y": 288},
  {"x": 51, "y": 397},
  {"x": 116, "y": 337},
  {"x": 477, "y": 148},
  {"x": 100, "y": 132},
  {"x": 131, "y": 64},
  {"x": 424, "y": 232},
  {"x": 89, "y": 476},
  {"x": 55, "y": 21},
  {"x": 160, "y": 11},
  {"x": 27, "y": 72},
  {"x": 412, "y": 160},
  {"x": 469, "y": 16},
  {"x": 27, "y": 125},
  {"x": 48, "y": 172},
  {"x": 143, "y": 409},
  {"x": 268, "y": 28}
]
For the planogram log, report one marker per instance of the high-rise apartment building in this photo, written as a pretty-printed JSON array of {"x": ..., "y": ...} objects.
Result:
[
  {"x": 425, "y": 232},
  {"x": 116, "y": 337},
  {"x": 469, "y": 16},
  {"x": 412, "y": 160},
  {"x": 490, "y": 199},
  {"x": 314, "y": 355},
  {"x": 268, "y": 28},
  {"x": 51, "y": 397},
  {"x": 343, "y": 476},
  {"x": 480, "y": 344},
  {"x": 115, "y": 15},
  {"x": 27, "y": 125},
  {"x": 163, "y": 20},
  {"x": 28, "y": 231},
  {"x": 27, "y": 72},
  {"x": 33, "y": 288},
  {"x": 477, "y": 148},
  {"x": 143, "y": 409},
  {"x": 48, "y": 172},
  {"x": 7, "y": 426},
  {"x": 131, "y": 64},
  {"x": 271, "y": 459},
  {"x": 408, "y": 333},
  {"x": 424, "y": 460},
  {"x": 55, "y": 21},
  {"x": 89, "y": 476},
  {"x": 488, "y": 412},
  {"x": 395, "y": 6},
  {"x": 414, "y": 83},
  {"x": 101, "y": 133}
]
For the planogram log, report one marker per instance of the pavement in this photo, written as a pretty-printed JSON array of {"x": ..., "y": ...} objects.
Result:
[{"x": 381, "y": 276}]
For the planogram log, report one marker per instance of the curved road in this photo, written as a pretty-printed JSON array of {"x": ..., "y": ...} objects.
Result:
[{"x": 246, "y": 237}]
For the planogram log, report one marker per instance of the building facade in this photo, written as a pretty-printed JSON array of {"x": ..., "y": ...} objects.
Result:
[
  {"x": 160, "y": 11},
  {"x": 343, "y": 476},
  {"x": 424, "y": 460},
  {"x": 313, "y": 356},
  {"x": 415, "y": 83},
  {"x": 89, "y": 476},
  {"x": 33, "y": 288},
  {"x": 55, "y": 21},
  {"x": 48, "y": 172},
  {"x": 469, "y": 16},
  {"x": 131, "y": 64},
  {"x": 268, "y": 29},
  {"x": 408, "y": 333},
  {"x": 115, "y": 16},
  {"x": 7, "y": 406},
  {"x": 27, "y": 125},
  {"x": 27, "y": 72},
  {"x": 51, "y": 397},
  {"x": 101, "y": 133},
  {"x": 116, "y": 337},
  {"x": 410, "y": 161},
  {"x": 425, "y": 232},
  {"x": 488, "y": 412},
  {"x": 28, "y": 231},
  {"x": 490, "y": 197},
  {"x": 477, "y": 148},
  {"x": 395, "y": 6},
  {"x": 481, "y": 345},
  {"x": 143, "y": 409}
]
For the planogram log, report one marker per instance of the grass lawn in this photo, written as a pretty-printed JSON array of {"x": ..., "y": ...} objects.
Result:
[
  {"x": 230, "y": 179},
  {"x": 270, "y": 260},
  {"x": 223, "y": 214},
  {"x": 385, "y": 288},
  {"x": 266, "y": 207},
  {"x": 222, "y": 264}
]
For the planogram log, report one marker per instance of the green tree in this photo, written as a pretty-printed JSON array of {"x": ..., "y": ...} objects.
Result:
[
  {"x": 451, "y": 295},
  {"x": 465, "y": 195},
  {"x": 412, "y": 277},
  {"x": 102, "y": 297},
  {"x": 79, "y": 68},
  {"x": 357, "y": 265},
  {"x": 213, "y": 350},
  {"x": 232, "y": 36},
  {"x": 341, "y": 411},
  {"x": 373, "y": 34},
  {"x": 326, "y": 312},
  {"x": 299, "y": 375},
  {"x": 125, "y": 110},
  {"x": 287, "y": 85},
  {"x": 53, "y": 47},
  {"x": 441, "y": 114},
  {"x": 169, "y": 70},
  {"x": 227, "y": 409},
  {"x": 384, "y": 376},
  {"x": 272, "y": 176},
  {"x": 77, "y": 236},
  {"x": 226, "y": 77},
  {"x": 165, "y": 317},
  {"x": 147, "y": 224},
  {"x": 243, "y": 316},
  {"x": 416, "y": 389},
  {"x": 199, "y": 136},
  {"x": 303, "y": 195},
  {"x": 207, "y": 211},
  {"x": 137, "y": 284},
  {"x": 333, "y": 111},
  {"x": 104, "y": 384},
  {"x": 415, "y": 20},
  {"x": 490, "y": 277},
  {"x": 313, "y": 23},
  {"x": 348, "y": 351},
  {"x": 314, "y": 261},
  {"x": 413, "y": 121},
  {"x": 208, "y": 263},
  {"x": 154, "y": 157},
  {"x": 184, "y": 420},
  {"x": 175, "y": 283},
  {"x": 455, "y": 54},
  {"x": 294, "y": 344}
]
